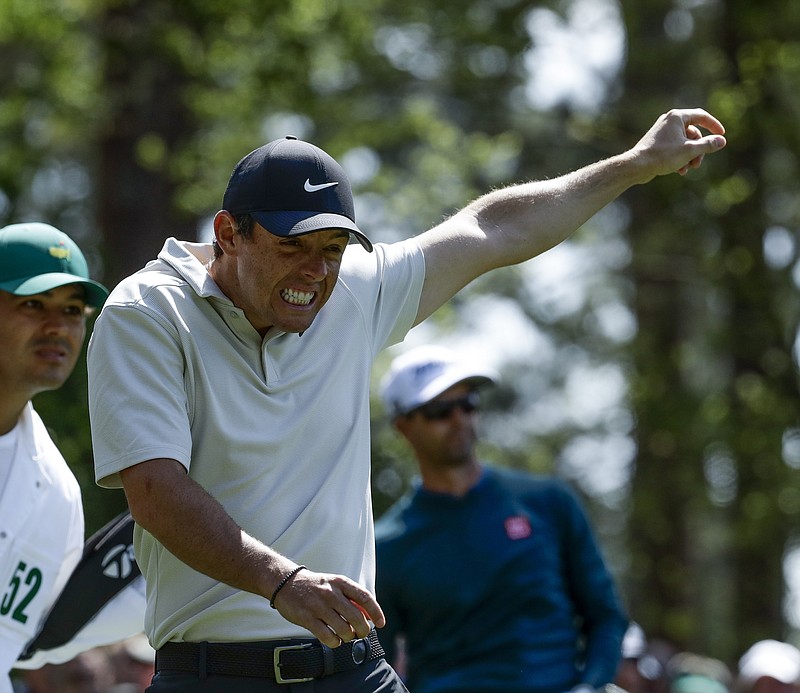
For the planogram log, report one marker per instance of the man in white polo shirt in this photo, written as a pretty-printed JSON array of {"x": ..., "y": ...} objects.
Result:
[{"x": 229, "y": 396}]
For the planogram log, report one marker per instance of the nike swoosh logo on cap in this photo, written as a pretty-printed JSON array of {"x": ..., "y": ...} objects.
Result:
[{"x": 308, "y": 186}]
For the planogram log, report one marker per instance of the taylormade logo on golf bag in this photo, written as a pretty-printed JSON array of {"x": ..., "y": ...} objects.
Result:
[{"x": 118, "y": 561}]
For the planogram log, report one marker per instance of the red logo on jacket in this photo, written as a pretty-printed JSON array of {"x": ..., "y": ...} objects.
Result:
[{"x": 518, "y": 527}]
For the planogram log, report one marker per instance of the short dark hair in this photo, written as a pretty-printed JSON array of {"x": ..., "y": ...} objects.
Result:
[{"x": 244, "y": 225}]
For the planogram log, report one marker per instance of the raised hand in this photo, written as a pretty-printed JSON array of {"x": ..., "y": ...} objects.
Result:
[{"x": 676, "y": 143}]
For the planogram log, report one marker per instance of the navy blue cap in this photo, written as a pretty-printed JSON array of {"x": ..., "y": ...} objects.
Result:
[{"x": 291, "y": 188}]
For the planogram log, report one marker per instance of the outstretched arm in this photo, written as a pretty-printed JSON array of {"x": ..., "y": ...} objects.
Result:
[{"x": 514, "y": 224}]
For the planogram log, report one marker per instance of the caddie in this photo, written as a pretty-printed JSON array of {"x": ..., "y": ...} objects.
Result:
[{"x": 45, "y": 297}]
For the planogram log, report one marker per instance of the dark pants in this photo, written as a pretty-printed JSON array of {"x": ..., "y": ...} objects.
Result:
[{"x": 371, "y": 677}]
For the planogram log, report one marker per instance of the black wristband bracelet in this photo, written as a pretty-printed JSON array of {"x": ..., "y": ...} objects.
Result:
[{"x": 283, "y": 582}]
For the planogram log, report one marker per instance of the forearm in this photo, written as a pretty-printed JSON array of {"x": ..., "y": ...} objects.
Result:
[
  {"x": 514, "y": 224},
  {"x": 194, "y": 527},
  {"x": 523, "y": 221},
  {"x": 537, "y": 216}
]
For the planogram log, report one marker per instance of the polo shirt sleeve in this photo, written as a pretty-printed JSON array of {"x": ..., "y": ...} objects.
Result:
[
  {"x": 389, "y": 305},
  {"x": 137, "y": 395}
]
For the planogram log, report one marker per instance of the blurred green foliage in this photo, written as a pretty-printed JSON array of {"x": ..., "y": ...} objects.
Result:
[{"x": 120, "y": 122}]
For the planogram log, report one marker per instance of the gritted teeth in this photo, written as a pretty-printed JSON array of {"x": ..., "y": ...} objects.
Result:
[{"x": 298, "y": 298}]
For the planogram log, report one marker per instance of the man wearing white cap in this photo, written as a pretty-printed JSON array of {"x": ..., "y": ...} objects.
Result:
[
  {"x": 492, "y": 576},
  {"x": 769, "y": 666}
]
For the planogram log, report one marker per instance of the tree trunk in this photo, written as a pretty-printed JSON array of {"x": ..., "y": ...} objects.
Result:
[{"x": 147, "y": 122}]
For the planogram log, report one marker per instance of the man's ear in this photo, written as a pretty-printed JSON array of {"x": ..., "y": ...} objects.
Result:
[{"x": 225, "y": 232}]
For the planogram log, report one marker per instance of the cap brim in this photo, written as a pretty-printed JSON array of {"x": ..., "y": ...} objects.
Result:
[
  {"x": 300, "y": 223},
  {"x": 444, "y": 382},
  {"x": 96, "y": 293}
]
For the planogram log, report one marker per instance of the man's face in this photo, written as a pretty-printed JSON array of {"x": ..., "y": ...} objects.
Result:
[
  {"x": 40, "y": 339},
  {"x": 284, "y": 282},
  {"x": 448, "y": 439}
]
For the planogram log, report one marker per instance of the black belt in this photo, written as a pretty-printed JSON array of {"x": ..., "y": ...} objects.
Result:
[{"x": 284, "y": 661}]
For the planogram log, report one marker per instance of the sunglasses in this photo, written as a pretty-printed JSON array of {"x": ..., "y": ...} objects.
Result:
[{"x": 438, "y": 410}]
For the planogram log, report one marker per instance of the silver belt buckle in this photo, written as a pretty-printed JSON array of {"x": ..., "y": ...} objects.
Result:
[{"x": 276, "y": 663}]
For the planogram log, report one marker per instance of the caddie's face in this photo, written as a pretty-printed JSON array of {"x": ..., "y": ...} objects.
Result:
[
  {"x": 40, "y": 339},
  {"x": 284, "y": 282}
]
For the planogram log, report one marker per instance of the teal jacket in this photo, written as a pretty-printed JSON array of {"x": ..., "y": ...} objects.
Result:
[{"x": 502, "y": 591}]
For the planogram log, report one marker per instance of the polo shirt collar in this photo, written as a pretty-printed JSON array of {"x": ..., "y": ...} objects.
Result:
[{"x": 190, "y": 260}]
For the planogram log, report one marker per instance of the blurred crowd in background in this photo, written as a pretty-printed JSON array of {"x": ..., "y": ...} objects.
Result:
[{"x": 656, "y": 666}]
